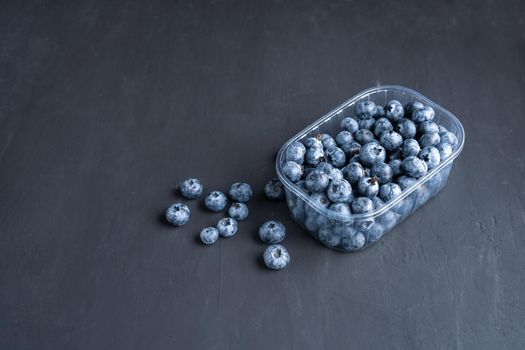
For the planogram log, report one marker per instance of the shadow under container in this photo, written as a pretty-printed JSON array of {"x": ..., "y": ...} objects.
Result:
[{"x": 346, "y": 233}]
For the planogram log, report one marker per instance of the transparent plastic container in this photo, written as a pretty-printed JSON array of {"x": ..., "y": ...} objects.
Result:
[{"x": 338, "y": 231}]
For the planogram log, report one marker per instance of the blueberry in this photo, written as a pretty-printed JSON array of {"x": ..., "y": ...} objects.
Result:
[
  {"x": 375, "y": 232},
  {"x": 428, "y": 127},
  {"x": 316, "y": 181},
  {"x": 242, "y": 192},
  {"x": 215, "y": 201},
  {"x": 367, "y": 123},
  {"x": 430, "y": 155},
  {"x": 292, "y": 171},
  {"x": 367, "y": 186},
  {"x": 295, "y": 152},
  {"x": 362, "y": 205},
  {"x": 406, "y": 128},
  {"x": 272, "y": 232},
  {"x": 365, "y": 109},
  {"x": 395, "y": 165},
  {"x": 274, "y": 189},
  {"x": 311, "y": 224},
  {"x": 394, "y": 110},
  {"x": 344, "y": 137},
  {"x": 372, "y": 152},
  {"x": 335, "y": 156},
  {"x": 191, "y": 188},
  {"x": 382, "y": 125},
  {"x": 389, "y": 191},
  {"x": 328, "y": 237},
  {"x": 429, "y": 140},
  {"x": 357, "y": 241},
  {"x": 238, "y": 211},
  {"x": 351, "y": 149},
  {"x": 327, "y": 141},
  {"x": 448, "y": 137},
  {"x": 314, "y": 155},
  {"x": 349, "y": 124},
  {"x": 319, "y": 199},
  {"x": 353, "y": 172},
  {"x": 423, "y": 115},
  {"x": 410, "y": 148},
  {"x": 414, "y": 167},
  {"x": 276, "y": 257},
  {"x": 227, "y": 227},
  {"x": 341, "y": 208},
  {"x": 328, "y": 169},
  {"x": 380, "y": 112},
  {"x": 382, "y": 172},
  {"x": 209, "y": 235},
  {"x": 178, "y": 214},
  {"x": 413, "y": 106},
  {"x": 406, "y": 181},
  {"x": 363, "y": 136},
  {"x": 339, "y": 191},
  {"x": 391, "y": 140},
  {"x": 445, "y": 150},
  {"x": 313, "y": 142}
]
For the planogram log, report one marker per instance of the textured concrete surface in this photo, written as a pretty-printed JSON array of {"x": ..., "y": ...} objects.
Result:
[{"x": 105, "y": 106}]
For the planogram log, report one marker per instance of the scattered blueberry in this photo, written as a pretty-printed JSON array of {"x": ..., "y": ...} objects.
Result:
[
  {"x": 276, "y": 257},
  {"x": 191, "y": 188},
  {"x": 272, "y": 232},
  {"x": 215, "y": 201},
  {"x": 241, "y": 192},
  {"x": 178, "y": 214},
  {"x": 227, "y": 227},
  {"x": 274, "y": 189},
  {"x": 238, "y": 211},
  {"x": 209, "y": 235}
]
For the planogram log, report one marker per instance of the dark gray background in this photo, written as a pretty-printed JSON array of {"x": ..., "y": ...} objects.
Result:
[{"x": 105, "y": 107}]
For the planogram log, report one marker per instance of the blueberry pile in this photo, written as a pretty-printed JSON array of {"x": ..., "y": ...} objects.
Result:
[
  {"x": 271, "y": 232},
  {"x": 378, "y": 153}
]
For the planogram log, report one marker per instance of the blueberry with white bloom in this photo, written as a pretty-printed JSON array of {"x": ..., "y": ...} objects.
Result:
[
  {"x": 367, "y": 123},
  {"x": 328, "y": 237},
  {"x": 332, "y": 172},
  {"x": 394, "y": 110},
  {"x": 445, "y": 150},
  {"x": 410, "y": 148},
  {"x": 178, "y": 214},
  {"x": 368, "y": 186},
  {"x": 320, "y": 200},
  {"x": 411, "y": 107},
  {"x": 209, "y": 235},
  {"x": 375, "y": 232},
  {"x": 372, "y": 152},
  {"x": 314, "y": 155},
  {"x": 448, "y": 137},
  {"x": 191, "y": 188},
  {"x": 414, "y": 167},
  {"x": 313, "y": 142},
  {"x": 391, "y": 140},
  {"x": 357, "y": 241},
  {"x": 272, "y": 232},
  {"x": 351, "y": 149},
  {"x": 316, "y": 181},
  {"x": 362, "y": 205},
  {"x": 389, "y": 191},
  {"x": 335, "y": 156},
  {"x": 395, "y": 165},
  {"x": 406, "y": 181},
  {"x": 353, "y": 172},
  {"x": 227, "y": 227},
  {"x": 327, "y": 141},
  {"x": 363, "y": 136},
  {"x": 349, "y": 124},
  {"x": 292, "y": 171},
  {"x": 422, "y": 115},
  {"x": 215, "y": 201},
  {"x": 274, "y": 189},
  {"x": 430, "y": 155},
  {"x": 341, "y": 208},
  {"x": 380, "y": 112},
  {"x": 365, "y": 109},
  {"x": 276, "y": 257},
  {"x": 295, "y": 152},
  {"x": 428, "y": 140},
  {"x": 242, "y": 192},
  {"x": 382, "y": 125},
  {"x": 382, "y": 172},
  {"x": 406, "y": 128},
  {"x": 344, "y": 137},
  {"x": 238, "y": 211},
  {"x": 428, "y": 127},
  {"x": 339, "y": 191}
]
